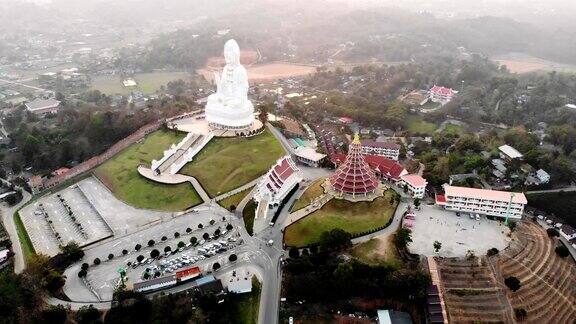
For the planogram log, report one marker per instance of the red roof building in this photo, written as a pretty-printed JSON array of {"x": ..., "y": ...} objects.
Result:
[
  {"x": 189, "y": 273},
  {"x": 278, "y": 182},
  {"x": 383, "y": 167},
  {"x": 354, "y": 176},
  {"x": 441, "y": 94}
]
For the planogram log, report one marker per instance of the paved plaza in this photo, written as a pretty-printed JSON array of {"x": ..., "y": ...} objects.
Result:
[{"x": 457, "y": 234}]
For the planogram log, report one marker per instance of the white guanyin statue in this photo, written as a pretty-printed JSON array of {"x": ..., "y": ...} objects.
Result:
[{"x": 229, "y": 107}]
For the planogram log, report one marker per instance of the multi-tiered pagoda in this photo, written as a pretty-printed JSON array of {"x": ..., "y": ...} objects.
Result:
[{"x": 354, "y": 179}]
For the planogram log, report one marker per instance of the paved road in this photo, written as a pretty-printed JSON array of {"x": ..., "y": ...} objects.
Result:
[
  {"x": 8, "y": 220},
  {"x": 174, "y": 179}
]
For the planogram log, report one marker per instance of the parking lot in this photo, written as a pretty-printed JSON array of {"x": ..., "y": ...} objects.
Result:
[
  {"x": 166, "y": 236},
  {"x": 457, "y": 234}
]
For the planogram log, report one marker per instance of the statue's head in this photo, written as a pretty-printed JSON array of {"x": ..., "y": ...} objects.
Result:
[{"x": 232, "y": 52}]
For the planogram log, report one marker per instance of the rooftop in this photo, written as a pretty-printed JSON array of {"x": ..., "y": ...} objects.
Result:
[
  {"x": 309, "y": 154},
  {"x": 510, "y": 152},
  {"x": 386, "y": 145},
  {"x": 415, "y": 180},
  {"x": 38, "y": 104},
  {"x": 504, "y": 196}
]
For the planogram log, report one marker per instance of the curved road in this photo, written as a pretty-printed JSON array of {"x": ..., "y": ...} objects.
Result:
[{"x": 8, "y": 220}]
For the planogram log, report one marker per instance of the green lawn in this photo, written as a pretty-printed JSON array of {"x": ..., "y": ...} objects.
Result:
[
  {"x": 314, "y": 191},
  {"x": 415, "y": 124},
  {"x": 27, "y": 248},
  {"x": 244, "y": 307},
  {"x": 351, "y": 217},
  {"x": 228, "y": 163},
  {"x": 148, "y": 83},
  {"x": 249, "y": 213},
  {"x": 120, "y": 174},
  {"x": 234, "y": 199}
]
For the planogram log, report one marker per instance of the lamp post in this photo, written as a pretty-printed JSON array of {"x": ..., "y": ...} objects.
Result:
[{"x": 509, "y": 206}]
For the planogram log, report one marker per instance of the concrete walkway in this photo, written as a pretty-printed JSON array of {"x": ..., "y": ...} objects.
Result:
[
  {"x": 303, "y": 212},
  {"x": 237, "y": 190},
  {"x": 174, "y": 179},
  {"x": 389, "y": 230},
  {"x": 8, "y": 221},
  {"x": 567, "y": 189}
]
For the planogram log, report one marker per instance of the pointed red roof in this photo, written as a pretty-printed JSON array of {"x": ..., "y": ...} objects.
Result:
[{"x": 354, "y": 176}]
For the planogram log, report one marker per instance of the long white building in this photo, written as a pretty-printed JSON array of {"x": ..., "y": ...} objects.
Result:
[
  {"x": 385, "y": 149},
  {"x": 481, "y": 201},
  {"x": 278, "y": 182}
]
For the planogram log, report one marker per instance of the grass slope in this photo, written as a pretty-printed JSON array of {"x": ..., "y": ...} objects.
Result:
[
  {"x": 120, "y": 174},
  {"x": 351, "y": 217},
  {"x": 314, "y": 191},
  {"x": 25, "y": 242},
  {"x": 249, "y": 213},
  {"x": 234, "y": 199},
  {"x": 415, "y": 124},
  {"x": 228, "y": 163}
]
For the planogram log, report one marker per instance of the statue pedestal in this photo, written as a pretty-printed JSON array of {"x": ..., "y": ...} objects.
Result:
[{"x": 220, "y": 115}]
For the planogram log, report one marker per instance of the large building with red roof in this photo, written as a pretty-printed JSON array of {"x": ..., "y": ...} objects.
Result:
[
  {"x": 441, "y": 94},
  {"x": 278, "y": 182},
  {"x": 482, "y": 201},
  {"x": 385, "y": 169},
  {"x": 354, "y": 178}
]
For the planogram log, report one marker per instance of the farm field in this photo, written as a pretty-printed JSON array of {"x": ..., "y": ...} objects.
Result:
[
  {"x": 268, "y": 72},
  {"x": 351, "y": 217},
  {"x": 148, "y": 83},
  {"x": 523, "y": 63},
  {"x": 228, "y": 163},
  {"x": 120, "y": 175},
  {"x": 415, "y": 124}
]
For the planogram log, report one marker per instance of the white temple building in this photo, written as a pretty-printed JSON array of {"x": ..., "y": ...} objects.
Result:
[
  {"x": 278, "y": 182},
  {"x": 229, "y": 108}
]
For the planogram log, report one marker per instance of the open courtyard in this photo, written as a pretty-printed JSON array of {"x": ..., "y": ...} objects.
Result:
[
  {"x": 120, "y": 174},
  {"x": 458, "y": 235}
]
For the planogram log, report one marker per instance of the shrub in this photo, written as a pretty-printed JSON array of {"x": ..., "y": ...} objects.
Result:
[
  {"x": 176, "y": 235},
  {"x": 552, "y": 232},
  {"x": 229, "y": 227},
  {"x": 140, "y": 258},
  {"x": 216, "y": 266},
  {"x": 151, "y": 243},
  {"x": 154, "y": 253},
  {"x": 110, "y": 256},
  {"x": 200, "y": 226},
  {"x": 193, "y": 240},
  {"x": 164, "y": 238},
  {"x": 167, "y": 249},
  {"x": 124, "y": 252},
  {"x": 562, "y": 251},
  {"x": 85, "y": 266},
  {"x": 206, "y": 236},
  {"x": 521, "y": 314},
  {"x": 97, "y": 261},
  {"x": 188, "y": 230},
  {"x": 492, "y": 251},
  {"x": 233, "y": 258},
  {"x": 82, "y": 273},
  {"x": 88, "y": 314},
  {"x": 137, "y": 247},
  {"x": 513, "y": 283},
  {"x": 181, "y": 244}
]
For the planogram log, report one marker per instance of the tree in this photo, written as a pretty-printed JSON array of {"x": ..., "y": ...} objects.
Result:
[
  {"x": 193, "y": 240},
  {"x": 552, "y": 232},
  {"x": 521, "y": 314},
  {"x": 293, "y": 253},
  {"x": 188, "y": 230},
  {"x": 176, "y": 235},
  {"x": 137, "y": 247},
  {"x": 233, "y": 258},
  {"x": 167, "y": 249},
  {"x": 229, "y": 227},
  {"x": 82, "y": 273},
  {"x": 200, "y": 226},
  {"x": 151, "y": 243},
  {"x": 492, "y": 251},
  {"x": 110, "y": 256},
  {"x": 417, "y": 202},
  {"x": 513, "y": 283},
  {"x": 335, "y": 239},
  {"x": 232, "y": 208},
  {"x": 164, "y": 238},
  {"x": 216, "y": 266},
  {"x": 562, "y": 251},
  {"x": 512, "y": 226},
  {"x": 206, "y": 236},
  {"x": 217, "y": 232},
  {"x": 405, "y": 188},
  {"x": 85, "y": 266},
  {"x": 124, "y": 252},
  {"x": 97, "y": 261},
  {"x": 88, "y": 315},
  {"x": 437, "y": 246},
  {"x": 72, "y": 252},
  {"x": 54, "y": 314},
  {"x": 140, "y": 258},
  {"x": 402, "y": 238},
  {"x": 181, "y": 244},
  {"x": 154, "y": 253}
]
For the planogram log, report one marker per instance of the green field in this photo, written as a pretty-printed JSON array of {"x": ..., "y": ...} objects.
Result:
[
  {"x": 27, "y": 247},
  {"x": 314, "y": 191},
  {"x": 234, "y": 199},
  {"x": 376, "y": 251},
  {"x": 148, "y": 83},
  {"x": 120, "y": 174},
  {"x": 415, "y": 124},
  {"x": 228, "y": 163},
  {"x": 351, "y": 217},
  {"x": 245, "y": 307}
]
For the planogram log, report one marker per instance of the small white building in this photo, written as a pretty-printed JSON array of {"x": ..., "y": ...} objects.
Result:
[
  {"x": 441, "y": 94},
  {"x": 568, "y": 232},
  {"x": 542, "y": 176},
  {"x": 509, "y": 153},
  {"x": 240, "y": 286},
  {"x": 43, "y": 107},
  {"x": 278, "y": 182},
  {"x": 308, "y": 156},
  {"x": 4, "y": 255},
  {"x": 386, "y": 149},
  {"x": 416, "y": 185}
]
